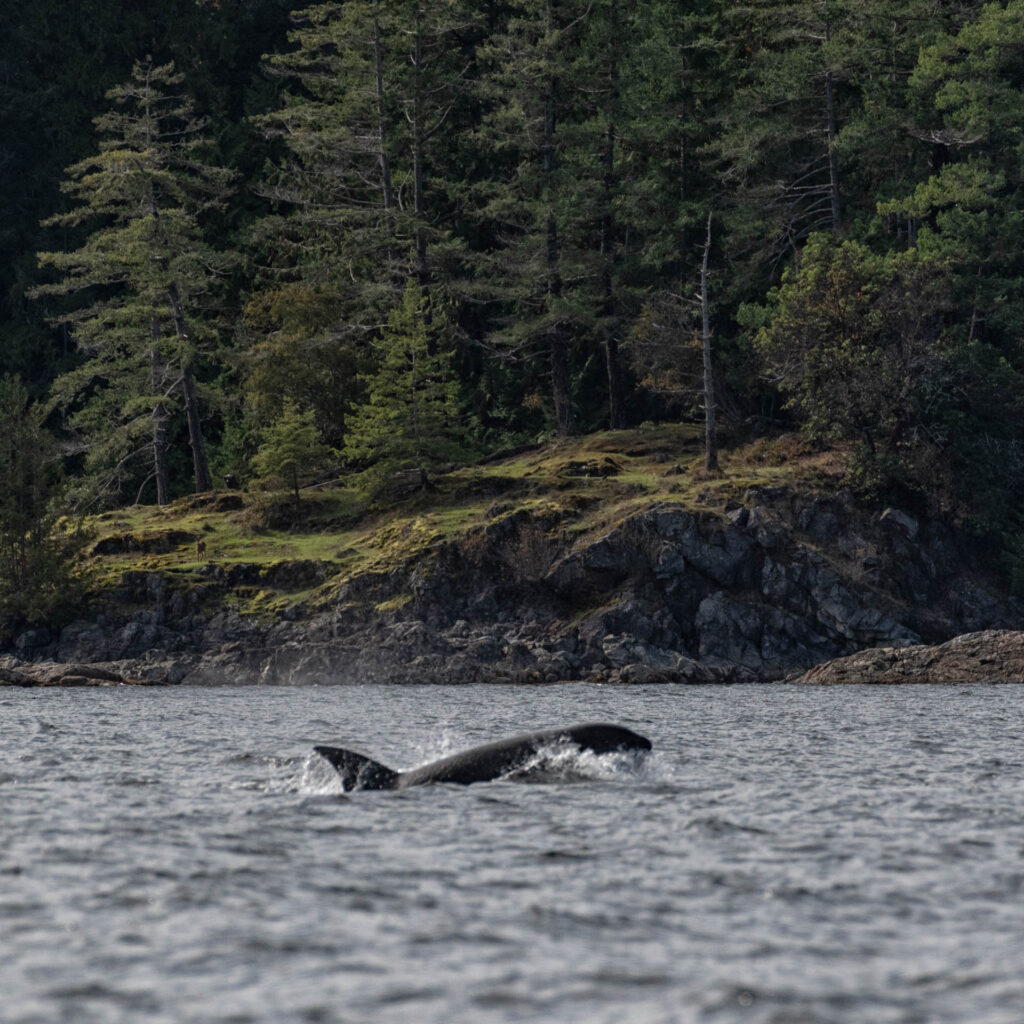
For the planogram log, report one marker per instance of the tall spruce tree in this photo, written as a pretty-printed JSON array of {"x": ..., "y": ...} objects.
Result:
[
  {"x": 779, "y": 140},
  {"x": 140, "y": 278},
  {"x": 969, "y": 93},
  {"x": 597, "y": 157},
  {"x": 409, "y": 421},
  {"x": 588, "y": 112},
  {"x": 361, "y": 199},
  {"x": 678, "y": 77},
  {"x": 537, "y": 262}
]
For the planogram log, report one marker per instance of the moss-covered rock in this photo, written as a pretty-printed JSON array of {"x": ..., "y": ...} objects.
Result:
[{"x": 514, "y": 571}]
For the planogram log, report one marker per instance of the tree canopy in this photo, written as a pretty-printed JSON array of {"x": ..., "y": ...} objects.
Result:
[{"x": 543, "y": 170}]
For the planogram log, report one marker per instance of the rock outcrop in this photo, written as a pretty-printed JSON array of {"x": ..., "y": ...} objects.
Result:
[
  {"x": 990, "y": 656},
  {"x": 760, "y": 590},
  {"x": 14, "y": 672}
]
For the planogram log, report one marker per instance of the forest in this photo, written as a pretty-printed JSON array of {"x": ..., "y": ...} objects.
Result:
[{"x": 245, "y": 242}]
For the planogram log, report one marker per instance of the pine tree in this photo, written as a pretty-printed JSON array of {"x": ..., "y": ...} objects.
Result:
[
  {"x": 410, "y": 420},
  {"x": 361, "y": 195},
  {"x": 969, "y": 95},
  {"x": 678, "y": 77},
  {"x": 779, "y": 144},
  {"x": 537, "y": 259},
  {"x": 814, "y": 129},
  {"x": 38, "y": 555},
  {"x": 291, "y": 448},
  {"x": 140, "y": 277}
]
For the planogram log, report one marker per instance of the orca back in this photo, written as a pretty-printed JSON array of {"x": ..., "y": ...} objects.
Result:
[
  {"x": 503, "y": 757},
  {"x": 483, "y": 763}
]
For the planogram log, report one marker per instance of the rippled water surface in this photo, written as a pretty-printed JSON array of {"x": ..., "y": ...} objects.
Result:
[{"x": 786, "y": 855}]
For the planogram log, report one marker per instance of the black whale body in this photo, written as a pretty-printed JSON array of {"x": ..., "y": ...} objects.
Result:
[{"x": 481, "y": 764}]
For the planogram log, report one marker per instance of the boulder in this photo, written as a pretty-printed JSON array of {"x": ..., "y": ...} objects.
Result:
[
  {"x": 989, "y": 656},
  {"x": 50, "y": 673}
]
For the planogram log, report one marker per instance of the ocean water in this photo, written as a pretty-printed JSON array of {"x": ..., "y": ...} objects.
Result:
[{"x": 785, "y": 855}]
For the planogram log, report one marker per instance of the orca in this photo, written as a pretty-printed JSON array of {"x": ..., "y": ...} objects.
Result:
[{"x": 485, "y": 763}]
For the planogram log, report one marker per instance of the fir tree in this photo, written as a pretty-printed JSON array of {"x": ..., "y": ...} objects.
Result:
[
  {"x": 291, "y": 448},
  {"x": 38, "y": 555},
  {"x": 361, "y": 195},
  {"x": 140, "y": 277},
  {"x": 410, "y": 418},
  {"x": 969, "y": 93},
  {"x": 532, "y": 270}
]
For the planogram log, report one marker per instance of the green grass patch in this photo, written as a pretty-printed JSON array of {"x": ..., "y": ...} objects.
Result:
[{"x": 344, "y": 528}]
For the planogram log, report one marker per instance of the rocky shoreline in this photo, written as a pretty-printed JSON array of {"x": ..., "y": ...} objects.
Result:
[
  {"x": 50, "y": 673},
  {"x": 761, "y": 590},
  {"x": 989, "y": 656}
]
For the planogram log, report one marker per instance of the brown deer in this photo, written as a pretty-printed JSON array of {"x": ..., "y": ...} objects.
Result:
[{"x": 200, "y": 549}]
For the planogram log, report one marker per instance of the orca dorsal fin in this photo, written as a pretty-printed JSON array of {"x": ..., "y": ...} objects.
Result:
[{"x": 358, "y": 771}]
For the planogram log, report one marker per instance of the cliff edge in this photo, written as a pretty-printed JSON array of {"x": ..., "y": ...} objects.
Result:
[{"x": 612, "y": 563}]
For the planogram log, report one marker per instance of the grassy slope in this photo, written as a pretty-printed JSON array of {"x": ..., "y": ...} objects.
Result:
[{"x": 557, "y": 483}]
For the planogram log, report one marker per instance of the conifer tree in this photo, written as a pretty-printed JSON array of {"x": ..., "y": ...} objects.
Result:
[
  {"x": 676, "y": 77},
  {"x": 537, "y": 261},
  {"x": 815, "y": 126},
  {"x": 291, "y": 447},
  {"x": 361, "y": 194},
  {"x": 779, "y": 144},
  {"x": 410, "y": 418},
  {"x": 969, "y": 95},
  {"x": 140, "y": 276},
  {"x": 37, "y": 556}
]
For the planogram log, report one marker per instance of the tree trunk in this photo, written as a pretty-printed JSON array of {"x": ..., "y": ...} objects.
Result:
[
  {"x": 418, "y": 132},
  {"x": 204, "y": 482},
  {"x": 616, "y": 416},
  {"x": 388, "y": 194},
  {"x": 160, "y": 465},
  {"x": 830, "y": 139},
  {"x": 561, "y": 391},
  {"x": 613, "y": 370},
  {"x": 710, "y": 426}
]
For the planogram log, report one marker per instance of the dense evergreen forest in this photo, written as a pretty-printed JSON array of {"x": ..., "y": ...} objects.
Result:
[{"x": 382, "y": 235}]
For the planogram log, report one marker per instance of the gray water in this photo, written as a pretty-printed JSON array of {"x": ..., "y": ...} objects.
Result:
[{"x": 785, "y": 855}]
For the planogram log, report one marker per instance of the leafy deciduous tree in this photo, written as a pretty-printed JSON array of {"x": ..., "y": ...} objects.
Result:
[{"x": 854, "y": 340}]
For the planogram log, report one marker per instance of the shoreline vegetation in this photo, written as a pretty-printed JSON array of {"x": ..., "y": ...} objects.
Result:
[{"x": 614, "y": 557}]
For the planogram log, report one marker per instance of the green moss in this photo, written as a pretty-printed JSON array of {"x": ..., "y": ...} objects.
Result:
[{"x": 339, "y": 526}]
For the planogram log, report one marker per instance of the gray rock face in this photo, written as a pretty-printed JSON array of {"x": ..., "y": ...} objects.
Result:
[
  {"x": 989, "y": 656},
  {"x": 765, "y": 588}
]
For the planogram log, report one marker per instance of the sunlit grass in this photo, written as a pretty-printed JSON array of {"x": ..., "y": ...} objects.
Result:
[{"x": 575, "y": 487}]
